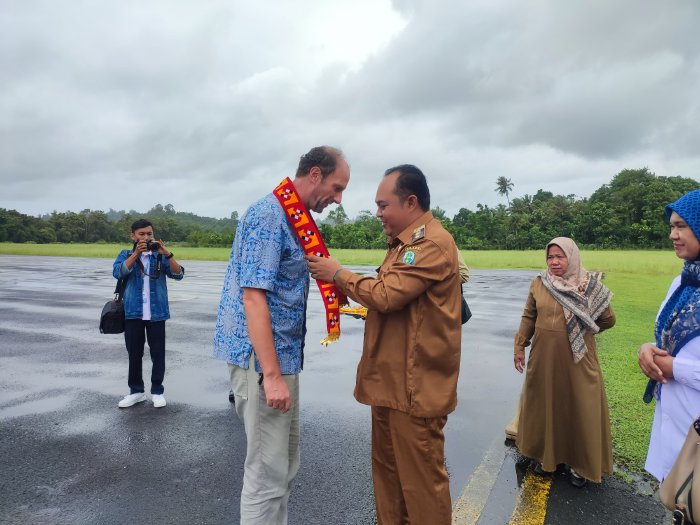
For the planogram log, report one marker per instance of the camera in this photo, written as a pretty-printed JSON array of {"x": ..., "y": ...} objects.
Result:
[{"x": 152, "y": 246}]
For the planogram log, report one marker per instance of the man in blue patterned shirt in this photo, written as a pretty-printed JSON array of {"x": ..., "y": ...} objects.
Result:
[{"x": 260, "y": 333}]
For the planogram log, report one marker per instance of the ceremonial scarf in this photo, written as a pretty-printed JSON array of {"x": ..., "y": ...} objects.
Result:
[
  {"x": 581, "y": 294},
  {"x": 679, "y": 320},
  {"x": 311, "y": 241}
]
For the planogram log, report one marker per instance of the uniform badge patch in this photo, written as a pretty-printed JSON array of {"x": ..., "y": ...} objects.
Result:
[{"x": 409, "y": 257}]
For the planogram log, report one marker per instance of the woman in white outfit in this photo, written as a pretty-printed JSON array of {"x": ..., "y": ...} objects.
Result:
[{"x": 672, "y": 363}]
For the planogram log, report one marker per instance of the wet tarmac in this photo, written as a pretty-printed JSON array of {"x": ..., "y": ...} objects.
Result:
[{"x": 70, "y": 456}]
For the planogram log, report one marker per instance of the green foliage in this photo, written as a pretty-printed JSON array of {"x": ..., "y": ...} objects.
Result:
[
  {"x": 337, "y": 216},
  {"x": 364, "y": 232},
  {"x": 91, "y": 226},
  {"x": 636, "y": 302},
  {"x": 503, "y": 187},
  {"x": 634, "y": 202},
  {"x": 626, "y": 213}
]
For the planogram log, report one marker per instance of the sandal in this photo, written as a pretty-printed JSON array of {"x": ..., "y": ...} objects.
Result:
[
  {"x": 576, "y": 479},
  {"x": 537, "y": 469}
]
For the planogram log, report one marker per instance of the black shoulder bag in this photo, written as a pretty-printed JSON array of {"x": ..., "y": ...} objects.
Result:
[
  {"x": 466, "y": 312},
  {"x": 112, "y": 317}
]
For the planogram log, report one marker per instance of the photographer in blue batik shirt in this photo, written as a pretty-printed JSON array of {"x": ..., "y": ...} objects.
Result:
[
  {"x": 260, "y": 332},
  {"x": 146, "y": 309}
]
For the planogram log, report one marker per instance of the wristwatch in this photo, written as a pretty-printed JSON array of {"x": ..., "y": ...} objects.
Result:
[{"x": 170, "y": 256}]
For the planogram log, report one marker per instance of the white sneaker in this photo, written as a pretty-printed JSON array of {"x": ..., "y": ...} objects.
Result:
[
  {"x": 158, "y": 400},
  {"x": 132, "y": 399}
]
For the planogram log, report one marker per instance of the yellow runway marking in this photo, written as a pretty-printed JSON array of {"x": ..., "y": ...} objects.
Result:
[
  {"x": 531, "y": 506},
  {"x": 467, "y": 509}
]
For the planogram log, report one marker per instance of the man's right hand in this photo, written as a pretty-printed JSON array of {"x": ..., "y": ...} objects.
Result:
[
  {"x": 140, "y": 247},
  {"x": 277, "y": 393}
]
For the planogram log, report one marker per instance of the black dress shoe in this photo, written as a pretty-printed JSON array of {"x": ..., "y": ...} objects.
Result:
[
  {"x": 576, "y": 480},
  {"x": 231, "y": 397}
]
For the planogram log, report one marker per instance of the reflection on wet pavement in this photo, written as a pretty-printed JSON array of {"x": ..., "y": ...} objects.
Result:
[{"x": 60, "y": 380}]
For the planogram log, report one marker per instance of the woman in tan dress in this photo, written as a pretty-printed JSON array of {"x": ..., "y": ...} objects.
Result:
[{"x": 564, "y": 413}]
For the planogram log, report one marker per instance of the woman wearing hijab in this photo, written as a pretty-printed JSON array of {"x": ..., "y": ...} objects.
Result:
[
  {"x": 672, "y": 363},
  {"x": 564, "y": 414}
]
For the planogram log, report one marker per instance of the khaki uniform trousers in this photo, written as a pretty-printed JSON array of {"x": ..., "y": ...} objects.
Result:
[
  {"x": 272, "y": 455},
  {"x": 411, "y": 485}
]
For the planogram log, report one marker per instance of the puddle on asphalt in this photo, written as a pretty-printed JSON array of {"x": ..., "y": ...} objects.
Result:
[{"x": 38, "y": 406}]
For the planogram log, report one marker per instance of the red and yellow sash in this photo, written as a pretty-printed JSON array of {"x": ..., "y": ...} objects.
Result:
[{"x": 312, "y": 243}]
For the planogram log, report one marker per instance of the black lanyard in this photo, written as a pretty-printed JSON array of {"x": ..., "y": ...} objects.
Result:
[{"x": 159, "y": 267}]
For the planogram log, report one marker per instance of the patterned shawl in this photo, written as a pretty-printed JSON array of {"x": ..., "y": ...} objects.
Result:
[
  {"x": 581, "y": 294},
  {"x": 679, "y": 320}
]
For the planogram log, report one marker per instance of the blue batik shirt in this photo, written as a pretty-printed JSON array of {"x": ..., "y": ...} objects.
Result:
[{"x": 266, "y": 254}]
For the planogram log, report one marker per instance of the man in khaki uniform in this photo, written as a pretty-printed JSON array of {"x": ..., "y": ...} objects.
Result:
[{"x": 410, "y": 362}]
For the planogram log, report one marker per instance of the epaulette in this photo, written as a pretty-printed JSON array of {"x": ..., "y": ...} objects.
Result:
[{"x": 418, "y": 233}]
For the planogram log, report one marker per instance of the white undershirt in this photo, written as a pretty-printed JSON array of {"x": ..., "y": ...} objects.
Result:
[{"x": 146, "y": 261}]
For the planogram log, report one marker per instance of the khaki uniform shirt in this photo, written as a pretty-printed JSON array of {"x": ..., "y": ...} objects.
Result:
[{"x": 410, "y": 361}]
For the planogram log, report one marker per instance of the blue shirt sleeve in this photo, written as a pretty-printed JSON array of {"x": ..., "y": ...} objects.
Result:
[{"x": 261, "y": 248}]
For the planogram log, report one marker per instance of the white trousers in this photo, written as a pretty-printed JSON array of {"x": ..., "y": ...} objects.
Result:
[{"x": 272, "y": 455}]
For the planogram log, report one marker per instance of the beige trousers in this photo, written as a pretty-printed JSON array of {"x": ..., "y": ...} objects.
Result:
[{"x": 272, "y": 456}]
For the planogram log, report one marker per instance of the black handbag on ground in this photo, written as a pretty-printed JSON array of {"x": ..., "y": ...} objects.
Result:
[
  {"x": 466, "y": 312},
  {"x": 112, "y": 317}
]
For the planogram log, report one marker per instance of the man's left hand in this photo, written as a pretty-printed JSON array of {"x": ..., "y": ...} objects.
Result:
[
  {"x": 163, "y": 250},
  {"x": 323, "y": 268}
]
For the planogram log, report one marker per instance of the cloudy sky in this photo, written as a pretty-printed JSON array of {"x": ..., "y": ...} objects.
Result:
[{"x": 207, "y": 105}]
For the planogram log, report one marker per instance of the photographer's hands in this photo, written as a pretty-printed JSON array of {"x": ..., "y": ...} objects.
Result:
[
  {"x": 141, "y": 246},
  {"x": 163, "y": 250}
]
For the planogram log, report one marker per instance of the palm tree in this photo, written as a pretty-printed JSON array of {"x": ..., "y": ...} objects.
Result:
[{"x": 504, "y": 187}]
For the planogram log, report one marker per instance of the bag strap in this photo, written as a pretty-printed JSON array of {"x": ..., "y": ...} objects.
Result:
[{"x": 121, "y": 285}]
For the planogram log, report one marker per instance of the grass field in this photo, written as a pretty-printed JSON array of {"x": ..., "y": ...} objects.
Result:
[
  {"x": 639, "y": 280},
  {"x": 108, "y": 251}
]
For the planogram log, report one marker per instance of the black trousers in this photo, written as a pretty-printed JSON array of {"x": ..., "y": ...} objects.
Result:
[{"x": 136, "y": 332}]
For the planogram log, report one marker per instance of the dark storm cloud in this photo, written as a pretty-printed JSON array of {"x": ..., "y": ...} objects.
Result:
[
  {"x": 598, "y": 79},
  {"x": 206, "y": 105}
]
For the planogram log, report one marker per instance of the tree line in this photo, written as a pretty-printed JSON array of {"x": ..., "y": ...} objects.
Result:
[
  {"x": 94, "y": 226},
  {"x": 628, "y": 212}
]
